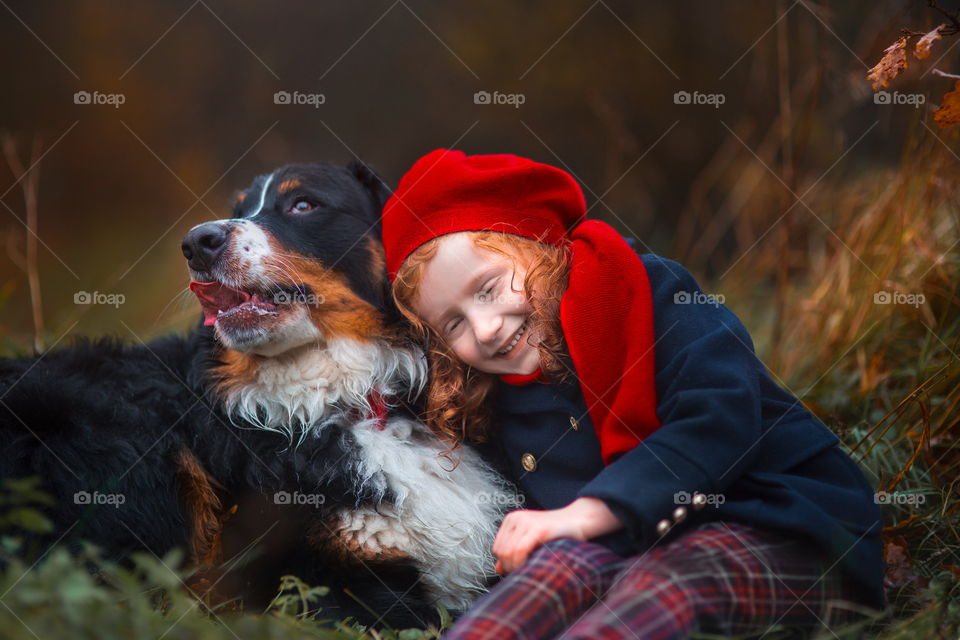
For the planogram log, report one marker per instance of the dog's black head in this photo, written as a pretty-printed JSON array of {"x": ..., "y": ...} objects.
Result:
[{"x": 300, "y": 260}]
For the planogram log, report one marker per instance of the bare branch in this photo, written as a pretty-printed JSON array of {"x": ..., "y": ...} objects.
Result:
[
  {"x": 954, "y": 18},
  {"x": 937, "y": 72}
]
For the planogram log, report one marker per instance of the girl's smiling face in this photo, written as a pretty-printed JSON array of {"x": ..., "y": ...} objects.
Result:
[{"x": 474, "y": 298}]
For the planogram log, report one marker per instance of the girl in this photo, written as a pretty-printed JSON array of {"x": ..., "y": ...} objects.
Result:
[{"x": 672, "y": 486}]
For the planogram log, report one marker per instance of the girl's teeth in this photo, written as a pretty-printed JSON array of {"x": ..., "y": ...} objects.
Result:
[{"x": 513, "y": 343}]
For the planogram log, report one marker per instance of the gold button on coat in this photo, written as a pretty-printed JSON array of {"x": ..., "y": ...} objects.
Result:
[
  {"x": 662, "y": 527},
  {"x": 574, "y": 424},
  {"x": 699, "y": 501},
  {"x": 528, "y": 461},
  {"x": 679, "y": 514}
]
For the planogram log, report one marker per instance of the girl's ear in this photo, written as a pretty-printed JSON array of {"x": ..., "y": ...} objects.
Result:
[{"x": 369, "y": 178}]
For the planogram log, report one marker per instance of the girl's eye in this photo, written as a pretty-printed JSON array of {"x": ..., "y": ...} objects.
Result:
[
  {"x": 487, "y": 294},
  {"x": 453, "y": 325},
  {"x": 302, "y": 206}
]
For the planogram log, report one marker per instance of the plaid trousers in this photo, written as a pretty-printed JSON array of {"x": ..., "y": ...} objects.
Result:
[{"x": 724, "y": 578}]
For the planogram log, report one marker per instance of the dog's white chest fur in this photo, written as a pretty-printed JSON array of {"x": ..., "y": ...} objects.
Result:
[
  {"x": 444, "y": 520},
  {"x": 296, "y": 393}
]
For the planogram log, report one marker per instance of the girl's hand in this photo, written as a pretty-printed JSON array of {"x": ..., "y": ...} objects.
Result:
[{"x": 524, "y": 530}]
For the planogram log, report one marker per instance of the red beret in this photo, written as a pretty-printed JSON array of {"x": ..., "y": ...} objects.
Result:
[{"x": 448, "y": 191}]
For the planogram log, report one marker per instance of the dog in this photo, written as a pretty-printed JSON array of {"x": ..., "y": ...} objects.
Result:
[{"x": 293, "y": 402}]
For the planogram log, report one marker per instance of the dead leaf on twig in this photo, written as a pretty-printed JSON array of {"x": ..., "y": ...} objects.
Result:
[
  {"x": 922, "y": 50},
  {"x": 893, "y": 62}
]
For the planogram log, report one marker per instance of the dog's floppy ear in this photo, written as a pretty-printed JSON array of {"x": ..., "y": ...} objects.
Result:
[
  {"x": 374, "y": 183},
  {"x": 379, "y": 194}
]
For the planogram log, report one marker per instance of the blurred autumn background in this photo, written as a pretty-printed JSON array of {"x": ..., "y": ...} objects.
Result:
[{"x": 743, "y": 139}]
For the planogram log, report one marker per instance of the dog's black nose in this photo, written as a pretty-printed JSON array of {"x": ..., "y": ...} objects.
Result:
[{"x": 203, "y": 244}]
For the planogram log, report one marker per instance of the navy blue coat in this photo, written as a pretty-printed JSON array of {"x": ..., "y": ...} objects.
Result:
[{"x": 729, "y": 432}]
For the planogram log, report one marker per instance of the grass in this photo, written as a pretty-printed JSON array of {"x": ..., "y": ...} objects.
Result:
[
  {"x": 61, "y": 597},
  {"x": 884, "y": 376}
]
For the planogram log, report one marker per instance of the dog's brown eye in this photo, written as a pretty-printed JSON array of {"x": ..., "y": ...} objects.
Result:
[{"x": 302, "y": 206}]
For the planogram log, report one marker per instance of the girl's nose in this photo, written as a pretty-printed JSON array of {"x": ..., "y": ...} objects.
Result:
[{"x": 487, "y": 327}]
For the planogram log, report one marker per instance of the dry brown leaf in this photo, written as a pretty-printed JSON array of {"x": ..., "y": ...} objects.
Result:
[
  {"x": 893, "y": 62},
  {"x": 949, "y": 111},
  {"x": 899, "y": 567},
  {"x": 922, "y": 50}
]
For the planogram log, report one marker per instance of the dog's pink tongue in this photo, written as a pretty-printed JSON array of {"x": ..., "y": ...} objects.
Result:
[{"x": 215, "y": 297}]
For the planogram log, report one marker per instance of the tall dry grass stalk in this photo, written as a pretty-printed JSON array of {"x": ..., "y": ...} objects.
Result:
[
  {"x": 867, "y": 334},
  {"x": 29, "y": 179}
]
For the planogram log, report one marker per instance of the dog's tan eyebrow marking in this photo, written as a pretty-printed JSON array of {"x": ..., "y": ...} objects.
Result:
[
  {"x": 289, "y": 185},
  {"x": 241, "y": 197}
]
